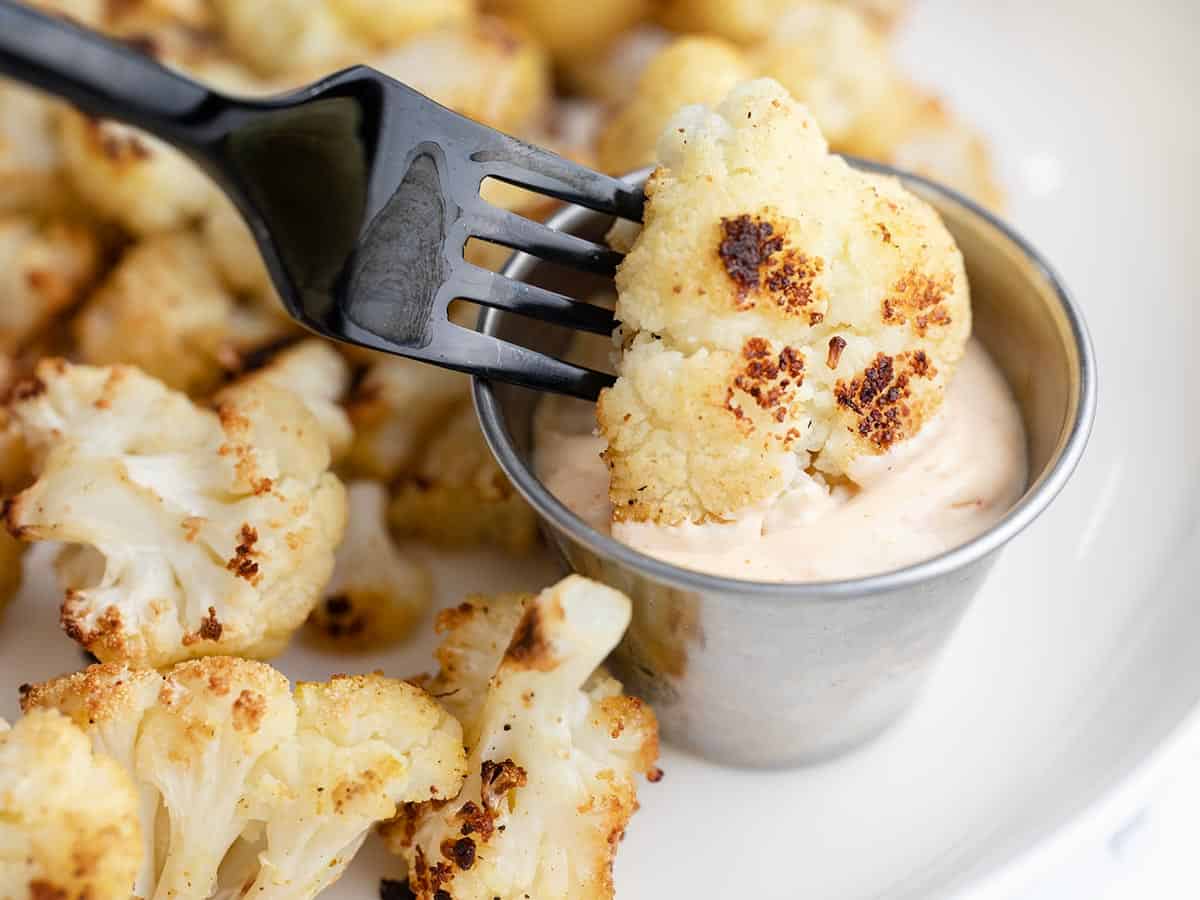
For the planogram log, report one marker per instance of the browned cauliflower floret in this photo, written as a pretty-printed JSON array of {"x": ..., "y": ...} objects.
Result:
[
  {"x": 743, "y": 21},
  {"x": 394, "y": 21},
  {"x": 30, "y": 161},
  {"x": 609, "y": 72},
  {"x": 162, "y": 309},
  {"x": 688, "y": 70},
  {"x": 12, "y": 553},
  {"x": 780, "y": 310},
  {"x": 196, "y": 532},
  {"x": 45, "y": 267},
  {"x": 457, "y": 496},
  {"x": 396, "y": 409},
  {"x": 568, "y": 30},
  {"x": 230, "y": 768},
  {"x": 131, "y": 178},
  {"x": 555, "y": 749},
  {"x": 489, "y": 71},
  {"x": 234, "y": 252},
  {"x": 834, "y": 62},
  {"x": 68, "y": 815},
  {"x": 320, "y": 377},
  {"x": 918, "y": 132},
  {"x": 377, "y": 593}
]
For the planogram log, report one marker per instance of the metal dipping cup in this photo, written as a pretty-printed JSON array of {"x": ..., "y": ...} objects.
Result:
[{"x": 781, "y": 674}]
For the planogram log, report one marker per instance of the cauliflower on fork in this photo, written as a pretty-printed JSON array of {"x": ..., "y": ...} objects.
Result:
[
  {"x": 254, "y": 792},
  {"x": 555, "y": 748},
  {"x": 195, "y": 532},
  {"x": 69, "y": 828},
  {"x": 782, "y": 314}
]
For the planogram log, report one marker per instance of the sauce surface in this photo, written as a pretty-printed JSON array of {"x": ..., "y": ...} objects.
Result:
[{"x": 929, "y": 494}]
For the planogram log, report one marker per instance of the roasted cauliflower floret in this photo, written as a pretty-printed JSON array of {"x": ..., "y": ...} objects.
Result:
[
  {"x": 45, "y": 267},
  {"x": 742, "y": 21},
  {"x": 396, "y": 409},
  {"x": 30, "y": 161},
  {"x": 555, "y": 750},
  {"x": 68, "y": 815},
  {"x": 830, "y": 59},
  {"x": 162, "y": 309},
  {"x": 568, "y": 30},
  {"x": 12, "y": 554},
  {"x": 688, "y": 70},
  {"x": 319, "y": 377},
  {"x": 207, "y": 531},
  {"x": 780, "y": 311},
  {"x": 393, "y": 21},
  {"x": 490, "y": 71},
  {"x": 234, "y": 253},
  {"x": 131, "y": 178},
  {"x": 930, "y": 139},
  {"x": 275, "y": 36},
  {"x": 377, "y": 593},
  {"x": 609, "y": 72},
  {"x": 457, "y": 496},
  {"x": 363, "y": 745},
  {"x": 227, "y": 761}
]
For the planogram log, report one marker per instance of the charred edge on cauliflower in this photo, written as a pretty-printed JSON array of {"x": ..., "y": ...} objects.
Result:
[
  {"x": 210, "y": 628},
  {"x": 770, "y": 379},
  {"x": 530, "y": 647},
  {"x": 242, "y": 563},
  {"x": 837, "y": 344},
  {"x": 920, "y": 299},
  {"x": 753, "y": 253},
  {"x": 879, "y": 396}
]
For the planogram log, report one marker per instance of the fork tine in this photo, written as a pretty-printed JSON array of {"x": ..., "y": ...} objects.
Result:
[
  {"x": 540, "y": 170},
  {"x": 492, "y": 357},
  {"x": 495, "y": 290},
  {"x": 515, "y": 231}
]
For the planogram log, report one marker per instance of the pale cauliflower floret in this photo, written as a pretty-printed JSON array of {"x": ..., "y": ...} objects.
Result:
[
  {"x": 274, "y": 36},
  {"x": 363, "y": 745},
  {"x": 319, "y": 377},
  {"x": 568, "y": 30},
  {"x": 68, "y": 816},
  {"x": 610, "y": 72},
  {"x": 162, "y": 309},
  {"x": 131, "y": 178},
  {"x": 555, "y": 749},
  {"x": 743, "y": 21},
  {"x": 242, "y": 784},
  {"x": 234, "y": 253},
  {"x": 489, "y": 71},
  {"x": 830, "y": 59},
  {"x": 396, "y": 409},
  {"x": 688, "y": 70},
  {"x": 108, "y": 702},
  {"x": 30, "y": 177},
  {"x": 457, "y": 496},
  {"x": 928, "y": 138},
  {"x": 394, "y": 21},
  {"x": 779, "y": 310},
  {"x": 217, "y": 529},
  {"x": 45, "y": 267},
  {"x": 377, "y": 593}
]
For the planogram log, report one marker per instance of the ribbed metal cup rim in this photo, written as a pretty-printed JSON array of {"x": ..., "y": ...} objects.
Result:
[{"x": 1035, "y": 500}]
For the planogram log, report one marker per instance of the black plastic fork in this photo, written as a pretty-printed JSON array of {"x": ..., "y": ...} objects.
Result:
[{"x": 361, "y": 194}]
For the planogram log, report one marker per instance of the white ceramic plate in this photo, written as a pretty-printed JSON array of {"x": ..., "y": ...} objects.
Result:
[{"x": 1070, "y": 685}]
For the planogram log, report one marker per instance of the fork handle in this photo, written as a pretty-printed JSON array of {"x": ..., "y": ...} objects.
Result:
[{"x": 101, "y": 77}]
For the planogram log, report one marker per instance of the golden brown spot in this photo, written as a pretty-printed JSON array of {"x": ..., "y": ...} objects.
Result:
[
  {"x": 192, "y": 526},
  {"x": 44, "y": 890},
  {"x": 836, "y": 345},
  {"x": 770, "y": 379},
  {"x": 497, "y": 779},
  {"x": 919, "y": 299},
  {"x": 242, "y": 563},
  {"x": 248, "y": 710},
  {"x": 655, "y": 775},
  {"x": 880, "y": 397},
  {"x": 884, "y": 232}
]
